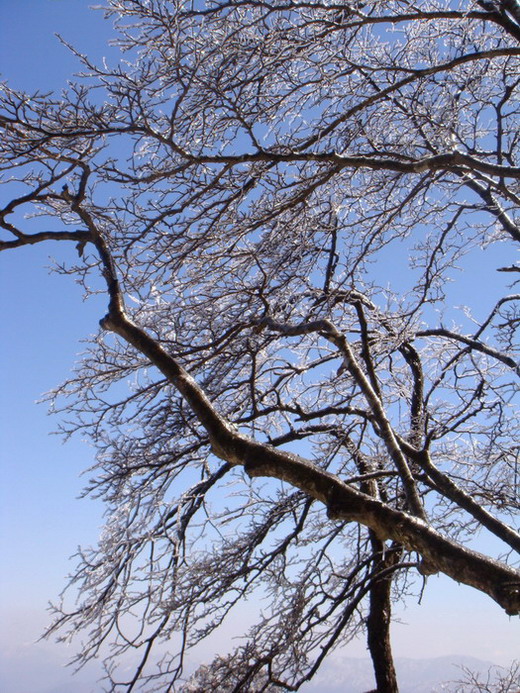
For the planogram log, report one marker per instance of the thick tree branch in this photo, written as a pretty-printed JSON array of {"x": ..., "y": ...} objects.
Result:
[
  {"x": 32, "y": 238},
  {"x": 499, "y": 581}
]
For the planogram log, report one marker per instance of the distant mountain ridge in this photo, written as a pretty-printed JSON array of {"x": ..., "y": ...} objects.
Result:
[
  {"x": 435, "y": 675},
  {"x": 45, "y": 673}
]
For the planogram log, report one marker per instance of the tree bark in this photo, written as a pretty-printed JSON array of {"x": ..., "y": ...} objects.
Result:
[{"x": 379, "y": 618}]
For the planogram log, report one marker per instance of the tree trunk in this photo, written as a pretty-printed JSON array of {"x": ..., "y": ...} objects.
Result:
[{"x": 379, "y": 618}]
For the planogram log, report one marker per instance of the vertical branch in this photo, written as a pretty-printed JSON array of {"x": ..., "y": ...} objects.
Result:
[
  {"x": 417, "y": 402},
  {"x": 380, "y": 613},
  {"x": 385, "y": 427},
  {"x": 330, "y": 332},
  {"x": 380, "y": 603}
]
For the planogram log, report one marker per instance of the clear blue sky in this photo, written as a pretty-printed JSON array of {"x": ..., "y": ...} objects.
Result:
[{"x": 43, "y": 321}]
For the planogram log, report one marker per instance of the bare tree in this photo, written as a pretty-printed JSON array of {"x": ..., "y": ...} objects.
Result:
[
  {"x": 285, "y": 402},
  {"x": 496, "y": 680}
]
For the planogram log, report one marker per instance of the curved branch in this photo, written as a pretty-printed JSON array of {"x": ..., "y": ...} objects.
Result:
[
  {"x": 473, "y": 344},
  {"x": 499, "y": 581}
]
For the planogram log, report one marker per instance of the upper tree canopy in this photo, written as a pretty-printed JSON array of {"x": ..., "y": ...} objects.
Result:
[{"x": 285, "y": 400}]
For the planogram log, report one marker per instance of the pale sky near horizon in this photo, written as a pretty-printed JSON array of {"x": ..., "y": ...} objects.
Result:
[{"x": 41, "y": 519}]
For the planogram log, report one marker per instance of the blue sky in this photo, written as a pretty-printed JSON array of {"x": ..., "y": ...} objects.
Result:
[{"x": 43, "y": 322}]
